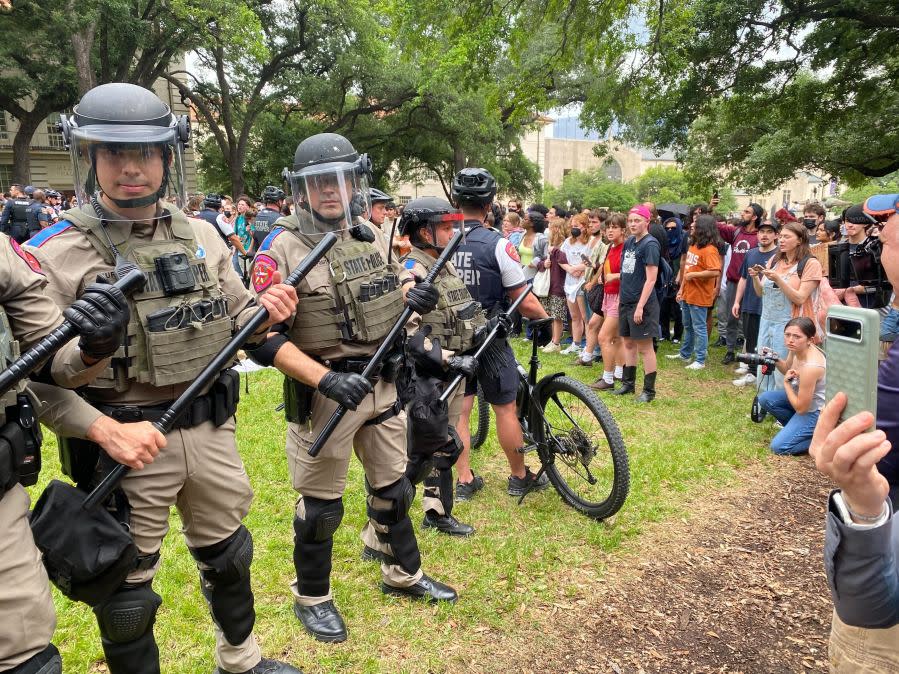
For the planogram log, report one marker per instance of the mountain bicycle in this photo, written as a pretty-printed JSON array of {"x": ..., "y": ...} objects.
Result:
[{"x": 576, "y": 439}]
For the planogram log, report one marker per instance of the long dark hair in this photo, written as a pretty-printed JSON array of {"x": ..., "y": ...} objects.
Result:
[
  {"x": 807, "y": 325},
  {"x": 705, "y": 232}
]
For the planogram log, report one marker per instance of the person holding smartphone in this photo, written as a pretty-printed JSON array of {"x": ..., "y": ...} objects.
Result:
[{"x": 799, "y": 403}]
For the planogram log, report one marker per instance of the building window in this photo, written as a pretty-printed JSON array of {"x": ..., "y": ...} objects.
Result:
[
  {"x": 402, "y": 200},
  {"x": 5, "y": 176},
  {"x": 565, "y": 172},
  {"x": 54, "y": 135},
  {"x": 786, "y": 197},
  {"x": 612, "y": 170},
  {"x": 4, "y": 129}
]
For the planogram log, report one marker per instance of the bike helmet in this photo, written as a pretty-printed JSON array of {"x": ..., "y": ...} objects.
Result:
[{"x": 473, "y": 186}]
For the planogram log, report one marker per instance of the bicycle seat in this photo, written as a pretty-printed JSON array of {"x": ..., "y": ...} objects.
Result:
[{"x": 538, "y": 323}]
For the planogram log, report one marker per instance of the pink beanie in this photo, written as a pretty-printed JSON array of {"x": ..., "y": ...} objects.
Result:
[{"x": 641, "y": 210}]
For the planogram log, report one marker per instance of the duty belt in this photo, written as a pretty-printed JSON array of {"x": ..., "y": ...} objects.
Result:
[
  {"x": 200, "y": 411},
  {"x": 354, "y": 366}
]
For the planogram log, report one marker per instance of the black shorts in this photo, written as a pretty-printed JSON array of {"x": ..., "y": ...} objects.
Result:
[
  {"x": 503, "y": 388},
  {"x": 648, "y": 329}
]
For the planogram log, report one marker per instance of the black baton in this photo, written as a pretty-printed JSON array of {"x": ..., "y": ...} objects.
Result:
[
  {"x": 387, "y": 344},
  {"x": 488, "y": 340},
  {"x": 165, "y": 423},
  {"x": 31, "y": 359}
]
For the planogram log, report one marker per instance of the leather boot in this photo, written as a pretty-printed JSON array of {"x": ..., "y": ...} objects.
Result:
[
  {"x": 628, "y": 381},
  {"x": 649, "y": 388}
]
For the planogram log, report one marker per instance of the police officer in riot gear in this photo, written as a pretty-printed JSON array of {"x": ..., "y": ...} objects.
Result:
[
  {"x": 26, "y": 315},
  {"x": 268, "y": 215},
  {"x": 452, "y": 329},
  {"x": 347, "y": 305},
  {"x": 14, "y": 220},
  {"x": 491, "y": 269},
  {"x": 379, "y": 201},
  {"x": 126, "y": 148}
]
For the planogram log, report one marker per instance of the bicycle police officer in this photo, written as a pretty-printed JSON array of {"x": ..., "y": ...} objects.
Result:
[
  {"x": 26, "y": 315},
  {"x": 268, "y": 215},
  {"x": 126, "y": 149},
  {"x": 491, "y": 268},
  {"x": 348, "y": 304}
]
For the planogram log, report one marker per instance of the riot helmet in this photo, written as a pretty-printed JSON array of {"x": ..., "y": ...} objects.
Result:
[
  {"x": 213, "y": 201},
  {"x": 329, "y": 184},
  {"x": 427, "y": 212},
  {"x": 29, "y": 190},
  {"x": 126, "y": 144},
  {"x": 272, "y": 194},
  {"x": 377, "y": 196},
  {"x": 473, "y": 186}
]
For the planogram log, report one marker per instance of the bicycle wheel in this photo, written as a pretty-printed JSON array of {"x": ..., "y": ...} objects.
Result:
[
  {"x": 479, "y": 422},
  {"x": 581, "y": 447}
]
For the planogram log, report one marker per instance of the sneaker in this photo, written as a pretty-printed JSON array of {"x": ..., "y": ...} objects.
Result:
[
  {"x": 696, "y": 365},
  {"x": 517, "y": 485},
  {"x": 777, "y": 424},
  {"x": 465, "y": 490},
  {"x": 571, "y": 348},
  {"x": 675, "y": 341},
  {"x": 677, "y": 356},
  {"x": 584, "y": 363},
  {"x": 745, "y": 380},
  {"x": 742, "y": 369},
  {"x": 552, "y": 347}
]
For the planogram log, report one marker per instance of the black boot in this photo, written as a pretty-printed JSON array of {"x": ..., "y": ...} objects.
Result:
[
  {"x": 628, "y": 381},
  {"x": 649, "y": 388},
  {"x": 322, "y": 621},
  {"x": 265, "y": 666}
]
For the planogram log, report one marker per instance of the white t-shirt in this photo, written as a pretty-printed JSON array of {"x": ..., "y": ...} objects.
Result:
[
  {"x": 573, "y": 252},
  {"x": 509, "y": 264}
]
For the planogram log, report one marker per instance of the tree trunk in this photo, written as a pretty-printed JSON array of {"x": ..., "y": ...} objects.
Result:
[
  {"x": 81, "y": 45},
  {"x": 21, "y": 159},
  {"x": 235, "y": 169}
]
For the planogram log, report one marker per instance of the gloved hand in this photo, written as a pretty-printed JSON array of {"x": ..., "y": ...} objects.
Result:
[
  {"x": 464, "y": 365},
  {"x": 347, "y": 388},
  {"x": 101, "y": 317},
  {"x": 427, "y": 362},
  {"x": 422, "y": 298},
  {"x": 504, "y": 323}
]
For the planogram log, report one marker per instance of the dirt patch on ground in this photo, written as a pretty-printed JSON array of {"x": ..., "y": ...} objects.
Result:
[{"x": 738, "y": 586}]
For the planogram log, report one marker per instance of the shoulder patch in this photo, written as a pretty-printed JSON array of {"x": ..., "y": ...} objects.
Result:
[
  {"x": 512, "y": 252},
  {"x": 409, "y": 264},
  {"x": 201, "y": 252},
  {"x": 264, "y": 269},
  {"x": 30, "y": 259},
  {"x": 45, "y": 235},
  {"x": 267, "y": 243}
]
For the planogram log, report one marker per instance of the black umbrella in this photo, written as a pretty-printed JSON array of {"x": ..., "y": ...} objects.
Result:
[{"x": 667, "y": 210}]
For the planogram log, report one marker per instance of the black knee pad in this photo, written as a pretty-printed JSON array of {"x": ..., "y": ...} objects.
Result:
[
  {"x": 45, "y": 662},
  {"x": 225, "y": 579},
  {"x": 128, "y": 614},
  {"x": 399, "y": 497},
  {"x": 321, "y": 519},
  {"x": 226, "y": 561},
  {"x": 446, "y": 457}
]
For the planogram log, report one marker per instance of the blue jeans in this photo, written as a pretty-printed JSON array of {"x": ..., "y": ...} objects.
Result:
[
  {"x": 696, "y": 336},
  {"x": 796, "y": 434},
  {"x": 890, "y": 323}
]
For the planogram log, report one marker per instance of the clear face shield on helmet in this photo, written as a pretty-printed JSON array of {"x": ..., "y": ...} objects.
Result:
[
  {"x": 131, "y": 166},
  {"x": 330, "y": 197}
]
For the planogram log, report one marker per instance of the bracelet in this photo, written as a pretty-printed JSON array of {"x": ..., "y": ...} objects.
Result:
[{"x": 866, "y": 518}]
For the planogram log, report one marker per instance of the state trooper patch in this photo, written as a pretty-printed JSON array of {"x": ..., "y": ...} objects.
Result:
[
  {"x": 264, "y": 269},
  {"x": 512, "y": 252},
  {"x": 30, "y": 259},
  {"x": 201, "y": 252}
]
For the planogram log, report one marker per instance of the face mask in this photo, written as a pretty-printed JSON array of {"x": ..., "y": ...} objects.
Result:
[
  {"x": 575, "y": 232},
  {"x": 810, "y": 223}
]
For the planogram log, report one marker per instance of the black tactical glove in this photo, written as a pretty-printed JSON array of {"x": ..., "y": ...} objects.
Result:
[
  {"x": 422, "y": 298},
  {"x": 101, "y": 317},
  {"x": 464, "y": 365},
  {"x": 347, "y": 388},
  {"x": 504, "y": 323}
]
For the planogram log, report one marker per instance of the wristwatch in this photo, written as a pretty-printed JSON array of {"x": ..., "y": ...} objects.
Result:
[{"x": 867, "y": 522}]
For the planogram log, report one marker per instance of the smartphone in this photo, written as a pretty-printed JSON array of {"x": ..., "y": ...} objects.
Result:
[
  {"x": 758, "y": 267},
  {"x": 586, "y": 260},
  {"x": 852, "y": 347}
]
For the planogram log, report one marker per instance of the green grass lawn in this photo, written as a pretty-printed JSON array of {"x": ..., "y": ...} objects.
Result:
[{"x": 522, "y": 559}]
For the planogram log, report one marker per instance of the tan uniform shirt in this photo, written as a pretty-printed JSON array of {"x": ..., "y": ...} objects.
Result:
[
  {"x": 285, "y": 251},
  {"x": 71, "y": 263}
]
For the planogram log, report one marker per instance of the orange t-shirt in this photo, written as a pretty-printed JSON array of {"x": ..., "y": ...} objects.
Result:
[{"x": 701, "y": 292}]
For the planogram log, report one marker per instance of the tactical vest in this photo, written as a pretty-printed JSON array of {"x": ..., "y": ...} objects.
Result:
[
  {"x": 171, "y": 336},
  {"x": 19, "y": 215},
  {"x": 354, "y": 296},
  {"x": 475, "y": 262},
  {"x": 9, "y": 351},
  {"x": 264, "y": 224},
  {"x": 457, "y": 315}
]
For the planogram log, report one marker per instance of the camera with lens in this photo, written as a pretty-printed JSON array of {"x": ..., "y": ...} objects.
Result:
[
  {"x": 767, "y": 363},
  {"x": 860, "y": 265}
]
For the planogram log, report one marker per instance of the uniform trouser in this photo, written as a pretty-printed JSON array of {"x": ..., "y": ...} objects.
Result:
[
  {"x": 380, "y": 447},
  {"x": 440, "y": 481},
  {"x": 27, "y": 616},
  {"x": 855, "y": 650},
  {"x": 199, "y": 472}
]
